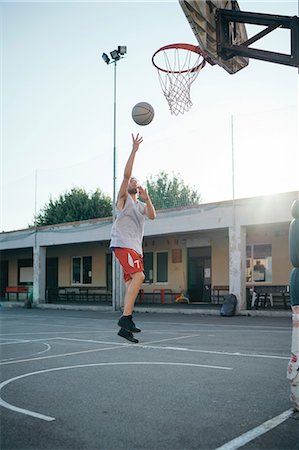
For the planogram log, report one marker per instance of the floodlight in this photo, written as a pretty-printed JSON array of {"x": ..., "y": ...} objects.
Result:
[
  {"x": 122, "y": 49},
  {"x": 115, "y": 55},
  {"x": 106, "y": 58}
]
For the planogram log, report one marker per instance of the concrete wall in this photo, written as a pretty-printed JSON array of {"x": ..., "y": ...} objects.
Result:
[
  {"x": 265, "y": 219},
  {"x": 177, "y": 275},
  {"x": 220, "y": 261},
  {"x": 65, "y": 254}
]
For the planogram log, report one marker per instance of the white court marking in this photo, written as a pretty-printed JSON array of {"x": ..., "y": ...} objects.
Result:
[
  {"x": 47, "y": 349},
  {"x": 64, "y": 354},
  {"x": 184, "y": 349},
  {"x": 56, "y": 369},
  {"x": 117, "y": 345},
  {"x": 32, "y": 354},
  {"x": 256, "y": 432},
  {"x": 232, "y": 445},
  {"x": 215, "y": 352},
  {"x": 26, "y": 341}
]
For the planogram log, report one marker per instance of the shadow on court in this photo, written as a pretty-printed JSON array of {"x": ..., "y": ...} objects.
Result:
[{"x": 193, "y": 382}]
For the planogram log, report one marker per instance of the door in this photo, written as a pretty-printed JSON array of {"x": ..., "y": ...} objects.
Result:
[
  {"x": 195, "y": 279},
  {"x": 52, "y": 273},
  {"x": 109, "y": 271},
  {"x": 51, "y": 279},
  {"x": 199, "y": 274},
  {"x": 3, "y": 277}
]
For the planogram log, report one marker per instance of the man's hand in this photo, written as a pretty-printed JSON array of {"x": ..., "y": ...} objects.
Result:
[
  {"x": 149, "y": 207},
  {"x": 136, "y": 142},
  {"x": 143, "y": 194}
]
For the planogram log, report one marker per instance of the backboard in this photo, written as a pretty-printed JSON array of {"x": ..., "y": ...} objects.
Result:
[{"x": 202, "y": 17}]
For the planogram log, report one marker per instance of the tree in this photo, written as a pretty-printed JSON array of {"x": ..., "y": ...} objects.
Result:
[
  {"x": 75, "y": 205},
  {"x": 171, "y": 192}
]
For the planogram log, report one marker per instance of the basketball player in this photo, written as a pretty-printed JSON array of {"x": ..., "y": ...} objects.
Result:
[{"x": 126, "y": 239}]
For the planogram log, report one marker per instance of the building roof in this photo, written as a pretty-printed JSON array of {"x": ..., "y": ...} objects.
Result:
[{"x": 270, "y": 209}]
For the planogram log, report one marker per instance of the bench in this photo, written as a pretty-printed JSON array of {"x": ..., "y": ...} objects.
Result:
[
  {"x": 78, "y": 294},
  {"x": 263, "y": 294},
  {"x": 218, "y": 293},
  {"x": 157, "y": 295},
  {"x": 16, "y": 290},
  {"x": 162, "y": 293}
]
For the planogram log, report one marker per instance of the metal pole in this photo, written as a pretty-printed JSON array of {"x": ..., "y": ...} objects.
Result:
[
  {"x": 35, "y": 197},
  {"x": 233, "y": 168},
  {"x": 116, "y": 286},
  {"x": 233, "y": 156},
  {"x": 114, "y": 277},
  {"x": 35, "y": 284},
  {"x": 114, "y": 146}
]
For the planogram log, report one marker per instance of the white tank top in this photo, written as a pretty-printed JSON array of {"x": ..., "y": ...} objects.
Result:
[{"x": 128, "y": 227}]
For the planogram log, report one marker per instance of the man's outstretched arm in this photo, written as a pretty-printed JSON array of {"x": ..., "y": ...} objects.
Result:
[{"x": 123, "y": 190}]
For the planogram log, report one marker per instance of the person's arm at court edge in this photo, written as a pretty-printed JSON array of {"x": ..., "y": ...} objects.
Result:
[
  {"x": 123, "y": 190},
  {"x": 150, "y": 211}
]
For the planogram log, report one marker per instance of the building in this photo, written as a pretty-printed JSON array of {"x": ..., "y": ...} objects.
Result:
[{"x": 203, "y": 251}]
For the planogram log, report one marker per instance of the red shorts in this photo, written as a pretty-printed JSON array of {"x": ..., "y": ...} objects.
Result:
[{"x": 130, "y": 260}]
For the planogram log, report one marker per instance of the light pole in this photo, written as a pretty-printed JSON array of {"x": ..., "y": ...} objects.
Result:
[{"x": 116, "y": 55}]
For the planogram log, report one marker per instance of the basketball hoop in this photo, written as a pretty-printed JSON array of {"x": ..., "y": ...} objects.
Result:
[{"x": 178, "y": 65}]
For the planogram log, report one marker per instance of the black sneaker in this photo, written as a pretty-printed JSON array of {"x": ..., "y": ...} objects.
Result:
[
  {"x": 127, "y": 323},
  {"x": 138, "y": 329},
  {"x": 127, "y": 335}
]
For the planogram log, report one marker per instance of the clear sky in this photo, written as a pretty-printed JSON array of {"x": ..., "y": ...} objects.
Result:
[{"x": 57, "y": 106}]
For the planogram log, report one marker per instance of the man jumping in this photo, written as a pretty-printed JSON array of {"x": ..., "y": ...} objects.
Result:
[{"x": 126, "y": 239}]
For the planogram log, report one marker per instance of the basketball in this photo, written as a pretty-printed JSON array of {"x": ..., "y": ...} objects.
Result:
[{"x": 143, "y": 113}]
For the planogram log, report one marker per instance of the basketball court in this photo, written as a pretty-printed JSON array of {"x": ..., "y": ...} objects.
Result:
[
  {"x": 69, "y": 382},
  {"x": 192, "y": 382}
]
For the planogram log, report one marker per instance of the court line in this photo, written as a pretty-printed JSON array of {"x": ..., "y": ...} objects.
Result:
[
  {"x": 214, "y": 329},
  {"x": 64, "y": 354},
  {"x": 151, "y": 342},
  {"x": 261, "y": 327},
  {"x": 26, "y": 341},
  {"x": 56, "y": 369},
  {"x": 32, "y": 354},
  {"x": 215, "y": 352},
  {"x": 116, "y": 345},
  {"x": 256, "y": 432},
  {"x": 90, "y": 330},
  {"x": 184, "y": 349},
  {"x": 47, "y": 349}
]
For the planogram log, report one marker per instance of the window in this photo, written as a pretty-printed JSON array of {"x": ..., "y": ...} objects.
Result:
[
  {"x": 148, "y": 267},
  {"x": 81, "y": 270},
  {"x": 259, "y": 263},
  {"x": 162, "y": 267},
  {"x": 155, "y": 267},
  {"x": 25, "y": 271}
]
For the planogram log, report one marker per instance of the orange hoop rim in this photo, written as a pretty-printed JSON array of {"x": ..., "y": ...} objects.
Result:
[{"x": 189, "y": 47}]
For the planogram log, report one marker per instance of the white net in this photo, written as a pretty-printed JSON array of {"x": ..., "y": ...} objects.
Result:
[{"x": 177, "y": 69}]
